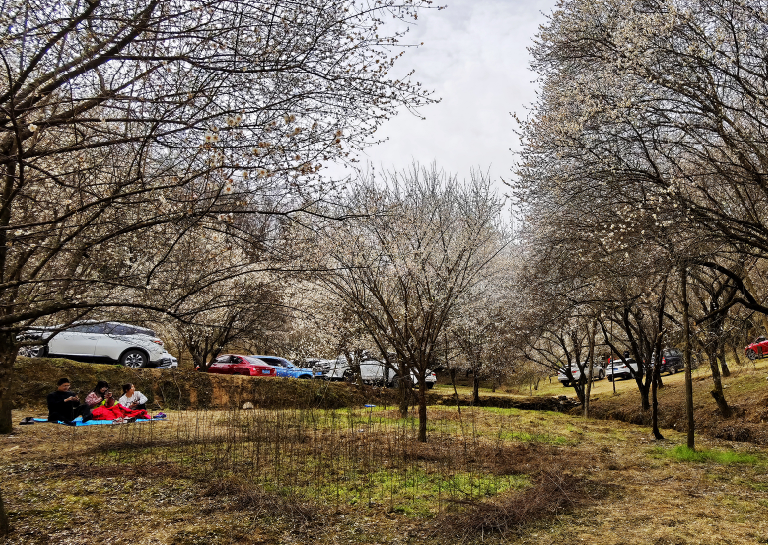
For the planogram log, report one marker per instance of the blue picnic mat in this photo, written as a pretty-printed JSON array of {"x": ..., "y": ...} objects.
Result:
[{"x": 79, "y": 421}]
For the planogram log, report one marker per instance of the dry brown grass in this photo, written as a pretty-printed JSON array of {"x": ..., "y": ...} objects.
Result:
[
  {"x": 551, "y": 494},
  {"x": 609, "y": 485}
]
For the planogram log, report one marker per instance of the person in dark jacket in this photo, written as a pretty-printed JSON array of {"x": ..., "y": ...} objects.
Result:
[{"x": 65, "y": 406}]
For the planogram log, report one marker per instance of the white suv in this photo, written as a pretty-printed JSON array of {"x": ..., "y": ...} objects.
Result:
[
  {"x": 566, "y": 376},
  {"x": 100, "y": 342}
]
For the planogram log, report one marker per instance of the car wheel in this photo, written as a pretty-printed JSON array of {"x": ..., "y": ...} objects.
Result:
[
  {"x": 430, "y": 385},
  {"x": 33, "y": 351},
  {"x": 751, "y": 354},
  {"x": 348, "y": 375},
  {"x": 396, "y": 382},
  {"x": 565, "y": 384},
  {"x": 134, "y": 359},
  {"x": 610, "y": 379}
]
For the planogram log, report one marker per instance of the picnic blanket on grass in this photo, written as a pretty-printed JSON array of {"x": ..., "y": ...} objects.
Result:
[{"x": 79, "y": 421}]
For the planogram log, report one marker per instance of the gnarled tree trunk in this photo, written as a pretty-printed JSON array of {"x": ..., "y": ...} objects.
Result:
[
  {"x": 723, "y": 363},
  {"x": 5, "y": 527},
  {"x": 8, "y": 352},
  {"x": 717, "y": 391}
]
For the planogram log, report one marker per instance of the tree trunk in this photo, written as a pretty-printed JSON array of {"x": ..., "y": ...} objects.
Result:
[
  {"x": 687, "y": 358},
  {"x": 455, "y": 391},
  {"x": 5, "y": 527},
  {"x": 579, "y": 389},
  {"x": 644, "y": 390},
  {"x": 8, "y": 353},
  {"x": 735, "y": 351},
  {"x": 717, "y": 391},
  {"x": 422, "y": 410},
  {"x": 475, "y": 388},
  {"x": 723, "y": 364},
  {"x": 655, "y": 401},
  {"x": 404, "y": 390},
  {"x": 591, "y": 368}
]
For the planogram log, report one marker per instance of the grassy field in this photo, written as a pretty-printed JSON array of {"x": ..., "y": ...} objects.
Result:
[
  {"x": 601, "y": 388},
  {"x": 487, "y": 475}
]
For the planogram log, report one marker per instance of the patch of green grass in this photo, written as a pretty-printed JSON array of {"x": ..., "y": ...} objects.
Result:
[
  {"x": 498, "y": 410},
  {"x": 526, "y": 437},
  {"x": 415, "y": 493},
  {"x": 682, "y": 453}
]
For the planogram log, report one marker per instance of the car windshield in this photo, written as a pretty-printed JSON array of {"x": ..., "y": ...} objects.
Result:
[
  {"x": 254, "y": 361},
  {"x": 271, "y": 360}
]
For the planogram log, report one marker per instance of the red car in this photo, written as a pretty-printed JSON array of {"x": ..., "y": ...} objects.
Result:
[
  {"x": 757, "y": 349},
  {"x": 230, "y": 364}
]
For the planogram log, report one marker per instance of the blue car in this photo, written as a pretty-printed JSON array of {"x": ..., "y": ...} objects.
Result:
[{"x": 285, "y": 368}]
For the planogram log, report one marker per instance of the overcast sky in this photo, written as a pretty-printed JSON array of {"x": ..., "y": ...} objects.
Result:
[{"x": 476, "y": 59}]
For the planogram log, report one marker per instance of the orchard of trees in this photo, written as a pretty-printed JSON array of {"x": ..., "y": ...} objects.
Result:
[
  {"x": 643, "y": 185},
  {"x": 163, "y": 162}
]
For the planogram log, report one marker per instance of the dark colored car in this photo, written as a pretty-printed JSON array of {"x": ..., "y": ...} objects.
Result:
[
  {"x": 671, "y": 361},
  {"x": 757, "y": 349},
  {"x": 232, "y": 364}
]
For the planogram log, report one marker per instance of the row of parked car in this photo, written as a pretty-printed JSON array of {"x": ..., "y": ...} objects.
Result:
[
  {"x": 259, "y": 366},
  {"x": 617, "y": 368},
  {"x": 372, "y": 371},
  {"x": 139, "y": 347}
]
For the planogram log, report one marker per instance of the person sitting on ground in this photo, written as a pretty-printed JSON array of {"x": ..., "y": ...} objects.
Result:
[
  {"x": 111, "y": 410},
  {"x": 65, "y": 406},
  {"x": 132, "y": 398},
  {"x": 96, "y": 397}
]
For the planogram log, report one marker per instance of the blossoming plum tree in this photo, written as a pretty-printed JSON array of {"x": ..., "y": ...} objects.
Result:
[
  {"x": 425, "y": 241},
  {"x": 126, "y": 126}
]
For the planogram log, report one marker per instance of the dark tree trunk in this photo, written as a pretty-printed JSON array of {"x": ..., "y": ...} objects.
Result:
[
  {"x": 8, "y": 352},
  {"x": 422, "y": 410},
  {"x": 717, "y": 391},
  {"x": 644, "y": 390},
  {"x": 687, "y": 358},
  {"x": 723, "y": 364},
  {"x": 5, "y": 527},
  {"x": 655, "y": 402},
  {"x": 475, "y": 388},
  {"x": 591, "y": 369},
  {"x": 735, "y": 350},
  {"x": 578, "y": 387}
]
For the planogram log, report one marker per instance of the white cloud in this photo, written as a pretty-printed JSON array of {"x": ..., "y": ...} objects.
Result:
[{"x": 476, "y": 59}]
